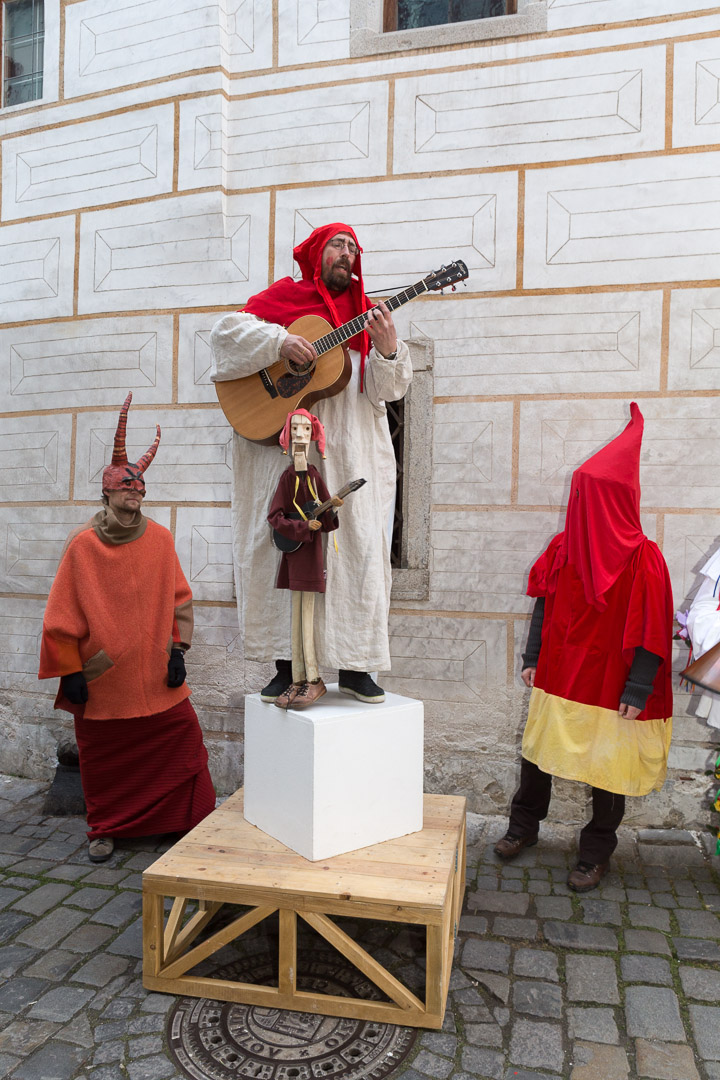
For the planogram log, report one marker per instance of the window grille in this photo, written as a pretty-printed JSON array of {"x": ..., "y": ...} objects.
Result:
[
  {"x": 412, "y": 14},
  {"x": 23, "y": 38}
]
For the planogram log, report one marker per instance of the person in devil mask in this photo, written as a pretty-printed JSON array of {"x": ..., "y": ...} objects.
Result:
[
  {"x": 117, "y": 624},
  {"x": 598, "y": 659},
  {"x": 351, "y": 617}
]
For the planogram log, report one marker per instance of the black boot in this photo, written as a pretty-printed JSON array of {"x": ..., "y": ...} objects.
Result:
[
  {"x": 279, "y": 682},
  {"x": 358, "y": 684}
]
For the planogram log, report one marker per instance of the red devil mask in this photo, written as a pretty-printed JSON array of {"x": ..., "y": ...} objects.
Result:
[{"x": 121, "y": 474}]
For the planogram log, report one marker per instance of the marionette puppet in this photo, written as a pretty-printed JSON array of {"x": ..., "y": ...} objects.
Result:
[{"x": 301, "y": 491}]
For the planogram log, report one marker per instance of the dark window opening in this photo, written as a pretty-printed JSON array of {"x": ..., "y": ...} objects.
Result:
[
  {"x": 412, "y": 14},
  {"x": 23, "y": 38},
  {"x": 396, "y": 423}
]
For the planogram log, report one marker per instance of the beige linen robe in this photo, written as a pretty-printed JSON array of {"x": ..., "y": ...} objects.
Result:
[{"x": 351, "y": 617}]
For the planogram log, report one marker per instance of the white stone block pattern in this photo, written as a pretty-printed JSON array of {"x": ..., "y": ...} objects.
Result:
[
  {"x": 545, "y": 111},
  {"x": 203, "y": 541},
  {"x": 567, "y": 13},
  {"x": 690, "y": 540},
  {"x": 310, "y": 31},
  {"x": 694, "y": 355},
  {"x": 195, "y": 357},
  {"x": 408, "y": 228},
  {"x": 284, "y": 138},
  {"x": 307, "y": 773},
  {"x": 125, "y": 43},
  {"x": 35, "y": 458},
  {"x": 129, "y": 156},
  {"x": 623, "y": 222},
  {"x": 480, "y": 561},
  {"x": 446, "y": 659},
  {"x": 32, "y": 540},
  {"x": 472, "y": 453},
  {"x": 540, "y": 344},
  {"x": 20, "y": 637},
  {"x": 216, "y": 665},
  {"x": 696, "y": 92},
  {"x": 36, "y": 269},
  {"x": 187, "y": 252},
  {"x": 555, "y": 437},
  {"x": 193, "y": 462},
  {"x": 92, "y": 362}
]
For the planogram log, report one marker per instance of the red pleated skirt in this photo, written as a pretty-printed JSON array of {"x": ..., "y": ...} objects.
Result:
[{"x": 144, "y": 776}]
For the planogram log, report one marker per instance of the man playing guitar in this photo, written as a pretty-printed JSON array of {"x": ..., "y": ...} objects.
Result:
[{"x": 351, "y": 617}]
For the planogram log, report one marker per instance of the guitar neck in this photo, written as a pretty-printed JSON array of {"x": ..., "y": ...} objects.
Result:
[
  {"x": 320, "y": 510},
  {"x": 350, "y": 329}
]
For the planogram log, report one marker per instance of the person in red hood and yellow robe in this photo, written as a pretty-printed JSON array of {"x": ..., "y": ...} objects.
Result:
[
  {"x": 351, "y": 617},
  {"x": 598, "y": 659},
  {"x": 117, "y": 624}
]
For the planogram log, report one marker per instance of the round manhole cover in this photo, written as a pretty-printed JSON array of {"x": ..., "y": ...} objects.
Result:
[{"x": 215, "y": 1040}]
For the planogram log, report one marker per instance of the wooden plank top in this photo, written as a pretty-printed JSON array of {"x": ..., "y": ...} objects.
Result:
[{"x": 225, "y": 852}]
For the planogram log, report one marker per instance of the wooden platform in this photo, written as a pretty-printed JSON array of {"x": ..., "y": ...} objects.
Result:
[{"x": 417, "y": 879}]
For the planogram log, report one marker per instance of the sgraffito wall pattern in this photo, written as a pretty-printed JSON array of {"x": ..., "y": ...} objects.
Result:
[{"x": 179, "y": 155}]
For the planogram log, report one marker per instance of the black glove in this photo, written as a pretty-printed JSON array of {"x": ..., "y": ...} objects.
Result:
[
  {"x": 176, "y": 668},
  {"x": 75, "y": 688}
]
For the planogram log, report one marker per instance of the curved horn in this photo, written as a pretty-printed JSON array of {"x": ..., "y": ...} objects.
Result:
[
  {"x": 119, "y": 455},
  {"x": 149, "y": 454}
]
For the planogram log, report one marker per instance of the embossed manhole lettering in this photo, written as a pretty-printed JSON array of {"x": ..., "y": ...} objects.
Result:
[{"x": 215, "y": 1040}]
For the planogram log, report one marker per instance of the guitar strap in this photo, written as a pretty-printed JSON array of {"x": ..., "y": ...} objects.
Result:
[
  {"x": 299, "y": 509},
  {"x": 313, "y": 492}
]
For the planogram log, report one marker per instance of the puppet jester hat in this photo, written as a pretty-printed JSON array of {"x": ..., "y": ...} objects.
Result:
[{"x": 121, "y": 474}]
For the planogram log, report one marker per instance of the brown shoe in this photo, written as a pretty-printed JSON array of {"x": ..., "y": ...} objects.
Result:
[
  {"x": 510, "y": 845},
  {"x": 586, "y": 876},
  {"x": 284, "y": 700},
  {"x": 101, "y": 848},
  {"x": 308, "y": 694}
]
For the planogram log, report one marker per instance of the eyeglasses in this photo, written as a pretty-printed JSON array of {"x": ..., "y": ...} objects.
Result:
[{"x": 340, "y": 244}]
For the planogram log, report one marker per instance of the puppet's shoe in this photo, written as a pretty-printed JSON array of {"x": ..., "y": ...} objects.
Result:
[
  {"x": 279, "y": 683},
  {"x": 359, "y": 684},
  {"x": 509, "y": 845},
  {"x": 284, "y": 700},
  {"x": 101, "y": 849},
  {"x": 308, "y": 694},
  {"x": 586, "y": 876}
]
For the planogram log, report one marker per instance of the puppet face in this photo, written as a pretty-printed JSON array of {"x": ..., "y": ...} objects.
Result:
[
  {"x": 338, "y": 258},
  {"x": 300, "y": 431}
]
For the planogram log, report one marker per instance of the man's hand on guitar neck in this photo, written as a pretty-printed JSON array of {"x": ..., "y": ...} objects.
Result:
[
  {"x": 381, "y": 328},
  {"x": 298, "y": 351}
]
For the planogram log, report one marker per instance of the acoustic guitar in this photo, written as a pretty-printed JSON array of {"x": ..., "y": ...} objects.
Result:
[
  {"x": 311, "y": 510},
  {"x": 257, "y": 405}
]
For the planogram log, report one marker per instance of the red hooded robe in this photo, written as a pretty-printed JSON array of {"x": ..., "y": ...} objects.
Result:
[
  {"x": 607, "y": 592},
  {"x": 287, "y": 300}
]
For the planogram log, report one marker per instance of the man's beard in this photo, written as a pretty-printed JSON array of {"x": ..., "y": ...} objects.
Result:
[{"x": 338, "y": 279}]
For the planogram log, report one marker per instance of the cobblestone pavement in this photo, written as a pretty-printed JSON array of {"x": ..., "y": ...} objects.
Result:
[{"x": 621, "y": 983}]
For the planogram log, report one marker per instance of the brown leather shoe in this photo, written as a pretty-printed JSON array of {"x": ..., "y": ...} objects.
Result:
[
  {"x": 284, "y": 700},
  {"x": 585, "y": 876},
  {"x": 510, "y": 845},
  {"x": 308, "y": 694}
]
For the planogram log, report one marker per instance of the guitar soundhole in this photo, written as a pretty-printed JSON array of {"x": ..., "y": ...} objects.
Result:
[{"x": 288, "y": 385}]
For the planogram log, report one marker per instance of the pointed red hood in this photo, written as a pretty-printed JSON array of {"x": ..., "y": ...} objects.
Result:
[{"x": 602, "y": 524}]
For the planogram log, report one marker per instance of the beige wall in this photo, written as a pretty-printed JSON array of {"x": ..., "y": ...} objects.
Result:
[{"x": 165, "y": 177}]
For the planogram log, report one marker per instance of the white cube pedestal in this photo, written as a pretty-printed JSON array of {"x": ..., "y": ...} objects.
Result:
[{"x": 338, "y": 776}]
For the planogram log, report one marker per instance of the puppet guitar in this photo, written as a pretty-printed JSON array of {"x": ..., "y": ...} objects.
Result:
[
  {"x": 257, "y": 405},
  {"x": 311, "y": 510}
]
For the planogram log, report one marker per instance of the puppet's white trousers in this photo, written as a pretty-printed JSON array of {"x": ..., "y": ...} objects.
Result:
[{"x": 304, "y": 661}]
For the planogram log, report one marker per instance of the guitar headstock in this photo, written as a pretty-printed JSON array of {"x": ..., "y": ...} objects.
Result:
[
  {"x": 446, "y": 275},
  {"x": 353, "y": 485}
]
